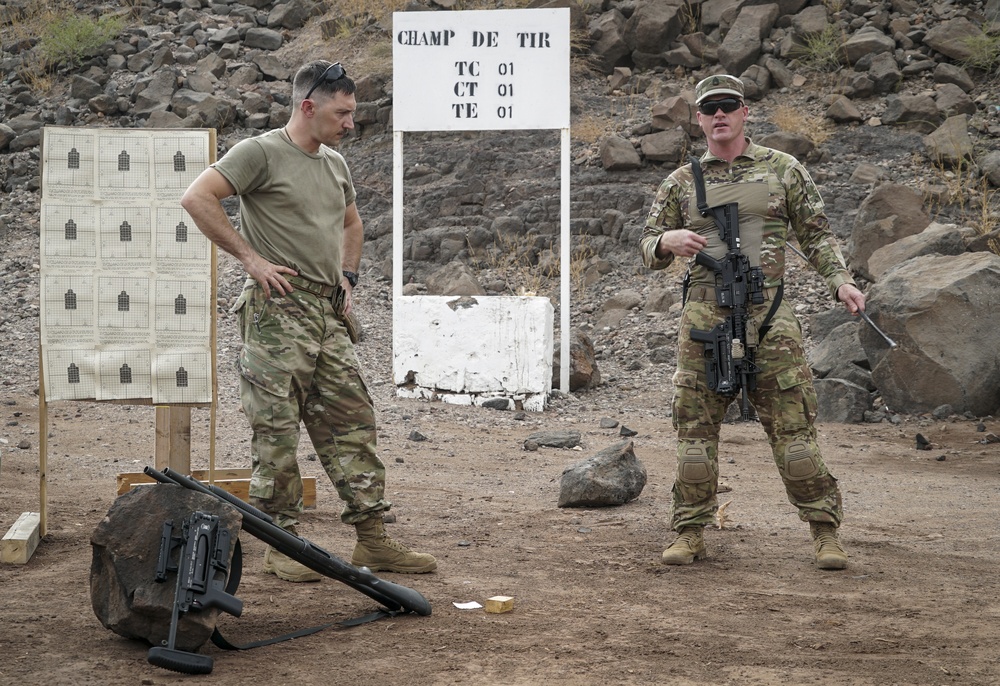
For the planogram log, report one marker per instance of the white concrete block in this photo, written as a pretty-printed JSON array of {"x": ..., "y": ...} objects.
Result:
[{"x": 458, "y": 346}]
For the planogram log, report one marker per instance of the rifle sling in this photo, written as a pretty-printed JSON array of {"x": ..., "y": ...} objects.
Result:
[
  {"x": 702, "y": 202},
  {"x": 236, "y": 573},
  {"x": 765, "y": 325},
  {"x": 699, "y": 185}
]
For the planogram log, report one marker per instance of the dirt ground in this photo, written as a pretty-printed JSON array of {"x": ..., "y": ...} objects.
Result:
[{"x": 593, "y": 605}]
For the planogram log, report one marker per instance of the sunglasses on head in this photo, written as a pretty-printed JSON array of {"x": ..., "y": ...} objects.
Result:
[
  {"x": 727, "y": 105},
  {"x": 334, "y": 72}
]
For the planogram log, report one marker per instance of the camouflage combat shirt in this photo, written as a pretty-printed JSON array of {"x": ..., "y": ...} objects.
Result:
[{"x": 774, "y": 192}]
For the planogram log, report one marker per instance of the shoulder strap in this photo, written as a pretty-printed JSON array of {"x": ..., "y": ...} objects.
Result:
[
  {"x": 765, "y": 326},
  {"x": 236, "y": 573},
  {"x": 699, "y": 185}
]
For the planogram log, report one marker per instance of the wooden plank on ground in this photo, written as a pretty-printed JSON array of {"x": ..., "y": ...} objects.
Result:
[
  {"x": 20, "y": 541},
  {"x": 234, "y": 481}
]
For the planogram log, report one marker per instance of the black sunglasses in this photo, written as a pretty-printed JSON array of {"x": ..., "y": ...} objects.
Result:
[
  {"x": 727, "y": 105},
  {"x": 334, "y": 72}
]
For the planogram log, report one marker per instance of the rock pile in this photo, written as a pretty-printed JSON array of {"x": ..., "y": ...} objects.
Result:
[{"x": 906, "y": 124}]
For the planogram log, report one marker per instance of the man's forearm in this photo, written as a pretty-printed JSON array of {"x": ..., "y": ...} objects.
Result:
[
  {"x": 354, "y": 236},
  {"x": 212, "y": 221}
]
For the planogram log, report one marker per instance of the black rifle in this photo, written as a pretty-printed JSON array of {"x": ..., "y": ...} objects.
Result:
[
  {"x": 204, "y": 553},
  {"x": 729, "y": 351},
  {"x": 396, "y": 598}
]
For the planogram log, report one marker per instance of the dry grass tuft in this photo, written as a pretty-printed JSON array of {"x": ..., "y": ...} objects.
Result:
[{"x": 795, "y": 120}]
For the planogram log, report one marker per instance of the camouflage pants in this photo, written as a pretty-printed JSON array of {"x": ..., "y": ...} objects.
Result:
[
  {"x": 298, "y": 366},
  {"x": 785, "y": 401}
]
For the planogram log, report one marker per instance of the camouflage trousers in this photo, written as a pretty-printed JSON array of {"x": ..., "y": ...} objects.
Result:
[
  {"x": 785, "y": 402},
  {"x": 298, "y": 366}
]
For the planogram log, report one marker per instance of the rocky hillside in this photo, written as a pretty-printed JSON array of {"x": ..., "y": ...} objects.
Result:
[{"x": 866, "y": 93}]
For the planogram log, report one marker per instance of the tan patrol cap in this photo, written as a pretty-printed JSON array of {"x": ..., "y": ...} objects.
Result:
[{"x": 720, "y": 84}]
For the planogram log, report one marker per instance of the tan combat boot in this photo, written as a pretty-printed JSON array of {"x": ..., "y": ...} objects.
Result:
[
  {"x": 286, "y": 568},
  {"x": 686, "y": 548},
  {"x": 376, "y": 551},
  {"x": 829, "y": 553}
]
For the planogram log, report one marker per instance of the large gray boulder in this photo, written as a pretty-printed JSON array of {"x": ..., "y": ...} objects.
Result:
[
  {"x": 742, "y": 45},
  {"x": 940, "y": 239},
  {"x": 123, "y": 591},
  {"x": 841, "y": 401},
  {"x": 890, "y": 212},
  {"x": 612, "y": 477},
  {"x": 942, "y": 312}
]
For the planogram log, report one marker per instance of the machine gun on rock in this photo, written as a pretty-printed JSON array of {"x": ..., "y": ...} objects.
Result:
[
  {"x": 206, "y": 553},
  {"x": 205, "y": 549}
]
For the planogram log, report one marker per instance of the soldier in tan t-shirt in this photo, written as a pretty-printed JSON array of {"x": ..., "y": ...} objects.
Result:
[{"x": 301, "y": 246}]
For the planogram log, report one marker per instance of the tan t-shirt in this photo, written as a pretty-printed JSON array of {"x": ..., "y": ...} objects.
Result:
[{"x": 292, "y": 203}]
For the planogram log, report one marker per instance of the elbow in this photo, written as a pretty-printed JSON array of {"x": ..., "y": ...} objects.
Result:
[{"x": 188, "y": 201}]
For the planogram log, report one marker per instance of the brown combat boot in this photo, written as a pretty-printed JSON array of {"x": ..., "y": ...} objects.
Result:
[
  {"x": 376, "y": 551},
  {"x": 829, "y": 553},
  {"x": 286, "y": 568},
  {"x": 686, "y": 548}
]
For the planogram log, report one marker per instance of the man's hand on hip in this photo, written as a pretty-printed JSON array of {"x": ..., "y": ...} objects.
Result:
[{"x": 269, "y": 275}]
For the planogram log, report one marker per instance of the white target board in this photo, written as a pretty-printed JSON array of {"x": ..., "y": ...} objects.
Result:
[{"x": 481, "y": 70}]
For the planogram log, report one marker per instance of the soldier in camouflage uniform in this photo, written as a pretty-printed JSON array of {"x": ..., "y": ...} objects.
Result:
[
  {"x": 775, "y": 194},
  {"x": 301, "y": 247}
]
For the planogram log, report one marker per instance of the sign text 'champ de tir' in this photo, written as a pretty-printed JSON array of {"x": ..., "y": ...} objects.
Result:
[{"x": 481, "y": 70}]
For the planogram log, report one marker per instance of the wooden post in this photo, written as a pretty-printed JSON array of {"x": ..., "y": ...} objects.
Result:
[
  {"x": 43, "y": 451},
  {"x": 173, "y": 438}
]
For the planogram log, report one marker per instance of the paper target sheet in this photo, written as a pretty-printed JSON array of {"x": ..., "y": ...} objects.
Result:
[{"x": 126, "y": 276}]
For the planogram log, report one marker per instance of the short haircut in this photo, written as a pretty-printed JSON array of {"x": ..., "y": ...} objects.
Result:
[{"x": 306, "y": 76}]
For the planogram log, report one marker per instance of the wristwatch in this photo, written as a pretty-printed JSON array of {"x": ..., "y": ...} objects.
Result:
[{"x": 352, "y": 278}]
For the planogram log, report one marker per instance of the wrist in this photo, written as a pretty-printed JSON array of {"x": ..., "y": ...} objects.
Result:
[{"x": 352, "y": 277}]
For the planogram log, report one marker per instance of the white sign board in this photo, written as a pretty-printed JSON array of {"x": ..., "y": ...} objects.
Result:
[{"x": 481, "y": 70}]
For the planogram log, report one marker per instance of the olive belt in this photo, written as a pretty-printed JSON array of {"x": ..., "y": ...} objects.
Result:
[{"x": 320, "y": 289}]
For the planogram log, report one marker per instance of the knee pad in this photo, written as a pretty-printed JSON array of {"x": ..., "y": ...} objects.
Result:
[
  {"x": 694, "y": 465},
  {"x": 800, "y": 461}
]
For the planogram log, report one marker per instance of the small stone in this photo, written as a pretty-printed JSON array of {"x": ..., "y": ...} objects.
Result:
[
  {"x": 416, "y": 436},
  {"x": 625, "y": 431},
  {"x": 497, "y": 404}
]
